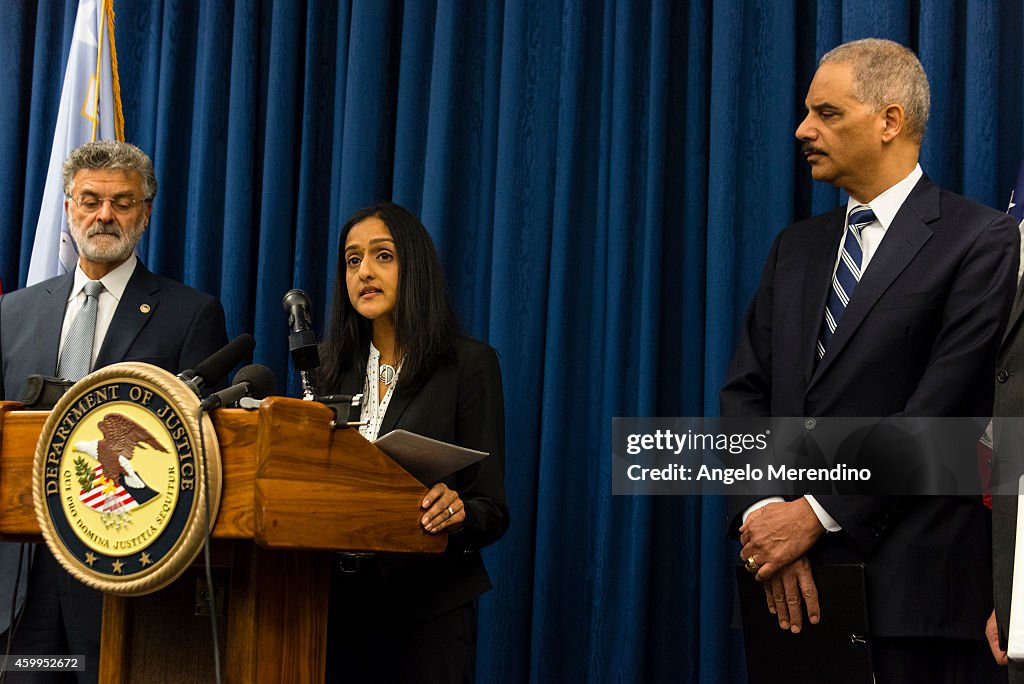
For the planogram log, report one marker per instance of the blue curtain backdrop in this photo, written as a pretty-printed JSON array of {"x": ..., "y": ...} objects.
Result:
[{"x": 602, "y": 179}]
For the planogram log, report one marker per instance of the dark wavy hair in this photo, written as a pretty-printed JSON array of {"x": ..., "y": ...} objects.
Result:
[{"x": 425, "y": 324}]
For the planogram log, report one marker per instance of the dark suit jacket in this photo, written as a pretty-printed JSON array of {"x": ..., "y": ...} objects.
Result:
[
  {"x": 919, "y": 338},
  {"x": 182, "y": 327},
  {"x": 461, "y": 403},
  {"x": 1008, "y": 445}
]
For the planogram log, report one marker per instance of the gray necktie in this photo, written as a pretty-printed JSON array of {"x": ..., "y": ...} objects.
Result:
[{"x": 76, "y": 357}]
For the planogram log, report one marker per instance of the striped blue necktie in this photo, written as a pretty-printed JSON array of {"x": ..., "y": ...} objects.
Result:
[
  {"x": 76, "y": 357},
  {"x": 847, "y": 274}
]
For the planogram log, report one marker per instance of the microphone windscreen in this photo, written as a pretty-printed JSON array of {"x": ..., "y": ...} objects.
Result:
[
  {"x": 295, "y": 297},
  {"x": 296, "y": 304},
  {"x": 260, "y": 378},
  {"x": 215, "y": 368}
]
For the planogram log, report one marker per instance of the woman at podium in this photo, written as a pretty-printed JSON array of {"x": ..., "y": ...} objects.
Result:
[{"x": 394, "y": 338}]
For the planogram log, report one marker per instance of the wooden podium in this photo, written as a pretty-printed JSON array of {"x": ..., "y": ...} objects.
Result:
[{"x": 294, "y": 490}]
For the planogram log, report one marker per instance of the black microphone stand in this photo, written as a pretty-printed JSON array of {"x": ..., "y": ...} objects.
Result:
[{"x": 302, "y": 340}]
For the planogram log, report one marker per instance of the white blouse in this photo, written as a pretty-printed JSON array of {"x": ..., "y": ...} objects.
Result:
[{"x": 374, "y": 408}]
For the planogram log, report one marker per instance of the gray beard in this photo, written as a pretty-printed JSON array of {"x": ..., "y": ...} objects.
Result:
[{"x": 120, "y": 251}]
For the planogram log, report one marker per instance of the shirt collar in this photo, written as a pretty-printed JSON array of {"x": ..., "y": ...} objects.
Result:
[
  {"x": 114, "y": 282},
  {"x": 888, "y": 204}
]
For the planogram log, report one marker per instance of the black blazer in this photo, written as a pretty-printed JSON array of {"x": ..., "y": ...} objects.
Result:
[
  {"x": 919, "y": 338},
  {"x": 181, "y": 328},
  {"x": 1008, "y": 453},
  {"x": 461, "y": 403}
]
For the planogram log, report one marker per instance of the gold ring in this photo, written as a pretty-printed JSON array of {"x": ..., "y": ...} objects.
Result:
[
  {"x": 450, "y": 512},
  {"x": 752, "y": 566}
]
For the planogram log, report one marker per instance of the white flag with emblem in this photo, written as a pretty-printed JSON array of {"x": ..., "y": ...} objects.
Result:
[{"x": 90, "y": 109}]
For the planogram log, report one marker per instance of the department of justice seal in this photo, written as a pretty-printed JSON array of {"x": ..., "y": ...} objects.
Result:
[{"x": 118, "y": 479}]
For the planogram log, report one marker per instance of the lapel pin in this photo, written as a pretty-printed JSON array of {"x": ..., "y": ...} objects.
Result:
[{"x": 144, "y": 308}]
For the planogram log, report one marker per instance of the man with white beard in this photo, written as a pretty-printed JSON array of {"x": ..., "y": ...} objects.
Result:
[{"x": 139, "y": 316}]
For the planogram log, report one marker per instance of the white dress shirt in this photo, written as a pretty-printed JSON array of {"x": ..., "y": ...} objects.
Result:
[
  {"x": 114, "y": 284},
  {"x": 885, "y": 207}
]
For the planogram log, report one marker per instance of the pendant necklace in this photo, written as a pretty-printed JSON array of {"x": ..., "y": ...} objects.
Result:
[{"x": 387, "y": 374}]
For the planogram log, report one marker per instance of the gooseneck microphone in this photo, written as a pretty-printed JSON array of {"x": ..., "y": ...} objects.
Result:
[
  {"x": 296, "y": 303},
  {"x": 215, "y": 367},
  {"x": 302, "y": 340},
  {"x": 255, "y": 381}
]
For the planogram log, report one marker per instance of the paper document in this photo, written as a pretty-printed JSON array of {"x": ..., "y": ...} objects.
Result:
[
  {"x": 1015, "y": 639},
  {"x": 428, "y": 460}
]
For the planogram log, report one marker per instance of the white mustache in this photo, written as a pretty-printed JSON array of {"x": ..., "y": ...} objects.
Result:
[{"x": 103, "y": 229}]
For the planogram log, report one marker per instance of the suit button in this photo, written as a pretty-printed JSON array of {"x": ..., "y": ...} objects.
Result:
[{"x": 1002, "y": 375}]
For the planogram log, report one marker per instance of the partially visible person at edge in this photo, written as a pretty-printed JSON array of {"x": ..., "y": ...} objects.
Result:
[{"x": 394, "y": 338}]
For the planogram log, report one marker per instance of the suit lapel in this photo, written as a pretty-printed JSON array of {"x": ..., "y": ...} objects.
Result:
[
  {"x": 903, "y": 240},
  {"x": 138, "y": 304},
  {"x": 352, "y": 382},
  {"x": 51, "y": 316},
  {"x": 400, "y": 399}
]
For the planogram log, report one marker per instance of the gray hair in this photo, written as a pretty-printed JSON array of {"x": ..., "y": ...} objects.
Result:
[
  {"x": 113, "y": 155},
  {"x": 886, "y": 73}
]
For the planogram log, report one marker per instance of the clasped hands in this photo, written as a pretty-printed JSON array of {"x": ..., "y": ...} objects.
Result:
[
  {"x": 777, "y": 537},
  {"x": 444, "y": 510}
]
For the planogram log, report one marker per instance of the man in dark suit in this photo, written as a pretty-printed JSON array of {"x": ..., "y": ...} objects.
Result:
[
  {"x": 891, "y": 305},
  {"x": 1008, "y": 451},
  {"x": 138, "y": 316}
]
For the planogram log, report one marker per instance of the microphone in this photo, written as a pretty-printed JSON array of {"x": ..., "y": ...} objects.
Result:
[
  {"x": 255, "y": 381},
  {"x": 302, "y": 340},
  {"x": 296, "y": 303},
  {"x": 216, "y": 366}
]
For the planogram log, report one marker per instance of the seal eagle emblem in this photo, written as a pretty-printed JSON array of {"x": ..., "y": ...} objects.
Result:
[
  {"x": 113, "y": 486},
  {"x": 123, "y": 493}
]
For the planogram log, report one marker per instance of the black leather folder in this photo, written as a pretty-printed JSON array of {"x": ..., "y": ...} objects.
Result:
[{"x": 836, "y": 650}]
